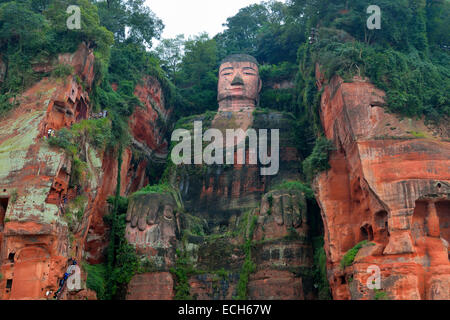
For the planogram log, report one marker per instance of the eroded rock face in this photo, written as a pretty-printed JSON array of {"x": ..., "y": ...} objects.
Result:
[
  {"x": 34, "y": 179},
  {"x": 148, "y": 132},
  {"x": 36, "y": 238},
  {"x": 282, "y": 250},
  {"x": 152, "y": 227},
  {"x": 388, "y": 184},
  {"x": 151, "y": 286},
  {"x": 143, "y": 121}
]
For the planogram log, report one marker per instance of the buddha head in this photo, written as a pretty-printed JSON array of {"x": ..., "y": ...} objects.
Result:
[{"x": 239, "y": 82}]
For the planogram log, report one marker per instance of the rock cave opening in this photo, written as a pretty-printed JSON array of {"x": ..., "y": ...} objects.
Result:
[
  {"x": 3, "y": 207},
  {"x": 419, "y": 228},
  {"x": 314, "y": 218},
  {"x": 381, "y": 233},
  {"x": 316, "y": 234},
  {"x": 81, "y": 111},
  {"x": 443, "y": 212},
  {"x": 11, "y": 256},
  {"x": 367, "y": 232},
  {"x": 9, "y": 283},
  {"x": 422, "y": 212}
]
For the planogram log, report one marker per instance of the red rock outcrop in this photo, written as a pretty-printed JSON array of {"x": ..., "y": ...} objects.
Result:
[
  {"x": 36, "y": 237},
  {"x": 34, "y": 179},
  {"x": 148, "y": 130},
  {"x": 389, "y": 183},
  {"x": 143, "y": 120},
  {"x": 151, "y": 286}
]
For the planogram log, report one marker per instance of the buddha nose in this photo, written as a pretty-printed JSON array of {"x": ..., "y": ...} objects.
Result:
[{"x": 237, "y": 80}]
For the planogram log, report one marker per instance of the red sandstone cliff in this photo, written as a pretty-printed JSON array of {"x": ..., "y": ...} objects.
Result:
[
  {"x": 35, "y": 238},
  {"x": 147, "y": 138},
  {"x": 389, "y": 183}
]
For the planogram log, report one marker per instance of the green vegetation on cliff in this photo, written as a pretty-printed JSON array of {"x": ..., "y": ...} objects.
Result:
[
  {"x": 157, "y": 188},
  {"x": 121, "y": 261},
  {"x": 295, "y": 186},
  {"x": 33, "y": 32},
  {"x": 249, "y": 266},
  {"x": 96, "y": 278},
  {"x": 408, "y": 59},
  {"x": 349, "y": 257},
  {"x": 317, "y": 161},
  {"x": 95, "y": 132},
  {"x": 182, "y": 270},
  {"x": 320, "y": 269}
]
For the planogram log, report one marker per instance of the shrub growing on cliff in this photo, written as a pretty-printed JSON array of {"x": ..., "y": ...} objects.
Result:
[
  {"x": 96, "y": 278},
  {"x": 95, "y": 131},
  {"x": 157, "y": 188},
  {"x": 62, "y": 139},
  {"x": 181, "y": 272},
  {"x": 380, "y": 295},
  {"x": 320, "y": 271},
  {"x": 249, "y": 266},
  {"x": 318, "y": 160},
  {"x": 123, "y": 263},
  {"x": 295, "y": 186},
  {"x": 62, "y": 71},
  {"x": 7, "y": 103},
  {"x": 349, "y": 257}
]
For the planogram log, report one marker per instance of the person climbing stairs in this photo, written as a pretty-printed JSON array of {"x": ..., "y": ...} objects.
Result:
[{"x": 63, "y": 282}]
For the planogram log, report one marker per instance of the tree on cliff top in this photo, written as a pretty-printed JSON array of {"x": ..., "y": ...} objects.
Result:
[
  {"x": 268, "y": 31},
  {"x": 170, "y": 54},
  {"x": 197, "y": 78},
  {"x": 130, "y": 21},
  {"x": 33, "y": 32}
]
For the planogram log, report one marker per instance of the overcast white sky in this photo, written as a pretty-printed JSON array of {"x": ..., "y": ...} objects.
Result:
[{"x": 191, "y": 17}]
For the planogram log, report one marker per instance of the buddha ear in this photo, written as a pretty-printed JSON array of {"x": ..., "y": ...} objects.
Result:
[{"x": 260, "y": 85}]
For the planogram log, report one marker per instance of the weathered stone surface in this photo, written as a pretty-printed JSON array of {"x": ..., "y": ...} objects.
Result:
[
  {"x": 213, "y": 287},
  {"x": 152, "y": 228},
  {"x": 282, "y": 249},
  {"x": 34, "y": 179},
  {"x": 389, "y": 184},
  {"x": 275, "y": 285},
  {"x": 35, "y": 238},
  {"x": 148, "y": 129},
  {"x": 143, "y": 122},
  {"x": 151, "y": 286}
]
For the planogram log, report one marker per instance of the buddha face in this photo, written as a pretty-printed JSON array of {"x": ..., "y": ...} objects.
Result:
[{"x": 239, "y": 81}]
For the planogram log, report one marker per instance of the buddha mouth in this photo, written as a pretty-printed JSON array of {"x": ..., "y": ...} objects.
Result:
[{"x": 236, "y": 90}]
